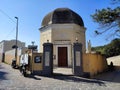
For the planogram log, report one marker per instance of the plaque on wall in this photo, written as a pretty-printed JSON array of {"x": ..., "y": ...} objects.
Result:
[
  {"x": 78, "y": 59},
  {"x": 47, "y": 58},
  {"x": 37, "y": 59}
]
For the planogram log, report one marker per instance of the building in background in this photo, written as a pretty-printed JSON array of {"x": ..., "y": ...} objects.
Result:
[
  {"x": 10, "y": 55},
  {"x": 6, "y": 45}
]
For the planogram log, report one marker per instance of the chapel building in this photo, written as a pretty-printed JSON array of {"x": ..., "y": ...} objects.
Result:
[{"x": 62, "y": 27}]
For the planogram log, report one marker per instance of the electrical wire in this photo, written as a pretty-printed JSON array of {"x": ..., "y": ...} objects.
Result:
[
  {"x": 10, "y": 33},
  {"x": 9, "y": 19},
  {"x": 7, "y": 15}
]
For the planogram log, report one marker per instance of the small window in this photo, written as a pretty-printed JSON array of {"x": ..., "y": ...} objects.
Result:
[{"x": 37, "y": 59}]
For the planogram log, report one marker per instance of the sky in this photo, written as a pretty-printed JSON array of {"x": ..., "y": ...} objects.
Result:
[{"x": 32, "y": 12}]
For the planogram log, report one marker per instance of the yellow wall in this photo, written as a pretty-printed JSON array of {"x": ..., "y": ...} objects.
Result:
[
  {"x": 94, "y": 63},
  {"x": 36, "y": 66},
  {"x": 9, "y": 58},
  {"x": 10, "y": 55}
]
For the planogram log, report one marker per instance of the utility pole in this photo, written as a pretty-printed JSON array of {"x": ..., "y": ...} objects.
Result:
[{"x": 16, "y": 39}]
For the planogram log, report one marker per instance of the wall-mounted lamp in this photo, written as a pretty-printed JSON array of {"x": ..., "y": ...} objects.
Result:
[
  {"x": 76, "y": 39},
  {"x": 47, "y": 41}
]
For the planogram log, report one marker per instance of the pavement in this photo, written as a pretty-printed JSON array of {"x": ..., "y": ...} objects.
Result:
[
  {"x": 11, "y": 79},
  {"x": 64, "y": 71}
]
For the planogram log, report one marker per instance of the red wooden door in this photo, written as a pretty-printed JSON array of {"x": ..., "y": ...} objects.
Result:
[{"x": 62, "y": 57}]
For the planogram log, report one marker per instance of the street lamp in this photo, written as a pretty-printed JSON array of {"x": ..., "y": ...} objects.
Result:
[{"x": 16, "y": 39}]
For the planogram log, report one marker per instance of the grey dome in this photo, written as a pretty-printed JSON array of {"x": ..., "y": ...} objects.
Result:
[{"x": 62, "y": 16}]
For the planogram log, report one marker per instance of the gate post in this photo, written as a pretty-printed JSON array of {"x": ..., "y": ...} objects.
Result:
[
  {"x": 77, "y": 62},
  {"x": 47, "y": 59}
]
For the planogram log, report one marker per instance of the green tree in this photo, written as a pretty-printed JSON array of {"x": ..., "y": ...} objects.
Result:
[
  {"x": 99, "y": 49},
  {"x": 108, "y": 19},
  {"x": 109, "y": 50},
  {"x": 113, "y": 48}
]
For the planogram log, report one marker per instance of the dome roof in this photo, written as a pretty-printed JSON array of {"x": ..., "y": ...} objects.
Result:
[{"x": 62, "y": 16}]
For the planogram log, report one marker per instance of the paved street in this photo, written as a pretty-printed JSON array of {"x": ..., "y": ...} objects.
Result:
[{"x": 11, "y": 79}]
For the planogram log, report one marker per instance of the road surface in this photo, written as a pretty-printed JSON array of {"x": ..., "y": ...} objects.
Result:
[{"x": 11, "y": 79}]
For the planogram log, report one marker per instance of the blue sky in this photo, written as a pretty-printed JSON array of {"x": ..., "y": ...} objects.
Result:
[{"x": 31, "y": 13}]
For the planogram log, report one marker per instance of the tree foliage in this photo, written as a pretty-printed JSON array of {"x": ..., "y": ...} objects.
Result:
[
  {"x": 109, "y": 50},
  {"x": 115, "y": 1},
  {"x": 108, "y": 19},
  {"x": 113, "y": 48},
  {"x": 99, "y": 49}
]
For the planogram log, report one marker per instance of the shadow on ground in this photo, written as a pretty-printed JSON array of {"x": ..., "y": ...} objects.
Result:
[
  {"x": 36, "y": 77},
  {"x": 2, "y": 74},
  {"x": 1, "y": 66},
  {"x": 111, "y": 76},
  {"x": 72, "y": 78}
]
